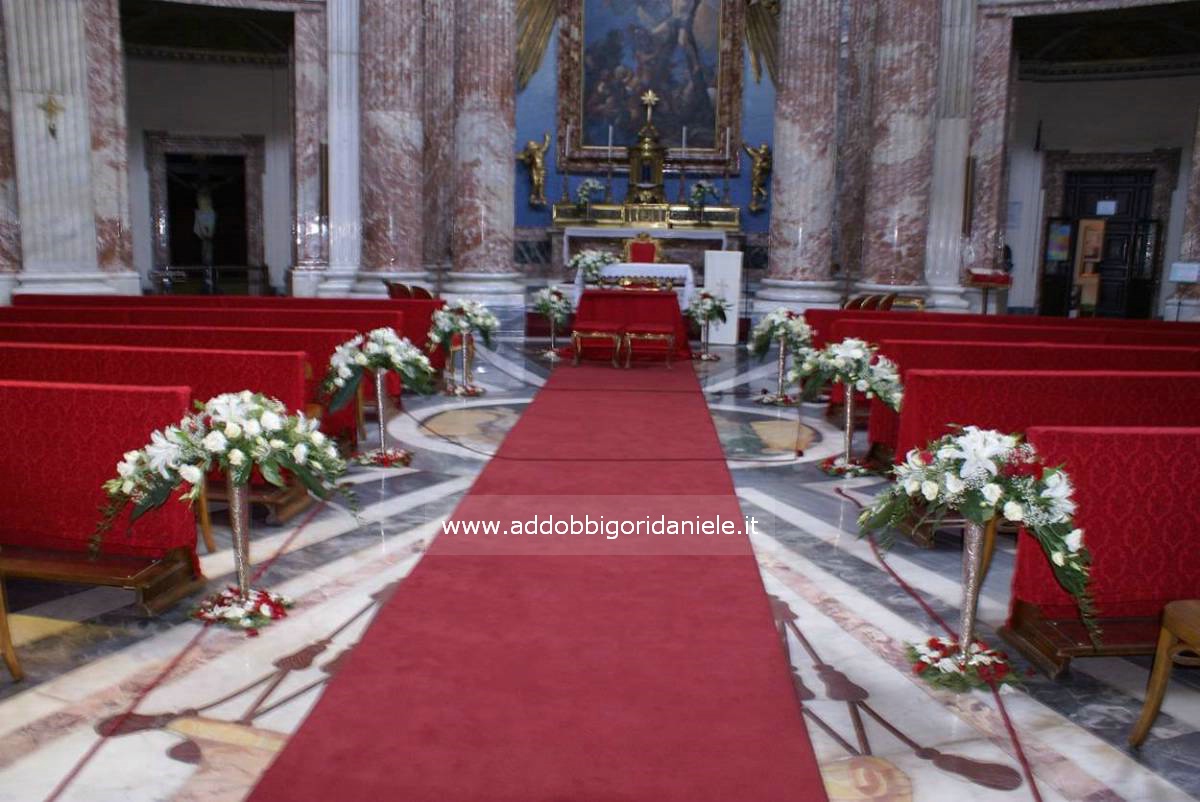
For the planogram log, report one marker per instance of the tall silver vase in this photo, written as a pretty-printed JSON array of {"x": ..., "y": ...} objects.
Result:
[
  {"x": 848, "y": 423},
  {"x": 239, "y": 521},
  {"x": 782, "y": 378},
  {"x": 974, "y": 537},
  {"x": 382, "y": 420}
]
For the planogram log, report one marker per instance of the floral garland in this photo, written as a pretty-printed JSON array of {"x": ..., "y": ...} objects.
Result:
[
  {"x": 937, "y": 661},
  {"x": 781, "y": 324},
  {"x": 228, "y": 609},
  {"x": 701, "y": 191},
  {"x": 591, "y": 263},
  {"x": 552, "y": 304},
  {"x": 983, "y": 474},
  {"x": 854, "y": 362},
  {"x": 585, "y": 191},
  {"x": 461, "y": 317},
  {"x": 706, "y": 307},
  {"x": 381, "y": 349},
  {"x": 235, "y": 432}
]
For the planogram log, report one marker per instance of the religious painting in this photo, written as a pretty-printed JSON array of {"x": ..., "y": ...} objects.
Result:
[
  {"x": 687, "y": 51},
  {"x": 1058, "y": 241}
]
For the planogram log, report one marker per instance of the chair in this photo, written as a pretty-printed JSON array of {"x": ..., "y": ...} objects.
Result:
[
  {"x": 596, "y": 330},
  {"x": 421, "y": 293},
  {"x": 398, "y": 290},
  {"x": 649, "y": 332},
  {"x": 1180, "y": 633},
  {"x": 7, "y": 650},
  {"x": 643, "y": 249}
]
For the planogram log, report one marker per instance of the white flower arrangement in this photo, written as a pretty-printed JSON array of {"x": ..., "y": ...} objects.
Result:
[
  {"x": 587, "y": 188},
  {"x": 463, "y": 318},
  {"x": 553, "y": 304},
  {"x": 381, "y": 349},
  {"x": 706, "y": 307},
  {"x": 781, "y": 324},
  {"x": 591, "y": 263},
  {"x": 854, "y": 362},
  {"x": 701, "y": 191},
  {"x": 984, "y": 474},
  {"x": 235, "y": 432}
]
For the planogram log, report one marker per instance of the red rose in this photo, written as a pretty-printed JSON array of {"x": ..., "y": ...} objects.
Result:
[
  {"x": 920, "y": 667},
  {"x": 927, "y": 457}
]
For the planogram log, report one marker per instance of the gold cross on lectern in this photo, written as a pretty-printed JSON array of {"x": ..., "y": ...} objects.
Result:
[
  {"x": 52, "y": 109},
  {"x": 649, "y": 100}
]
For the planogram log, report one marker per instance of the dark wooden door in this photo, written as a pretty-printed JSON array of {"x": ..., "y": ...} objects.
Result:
[{"x": 1124, "y": 201}]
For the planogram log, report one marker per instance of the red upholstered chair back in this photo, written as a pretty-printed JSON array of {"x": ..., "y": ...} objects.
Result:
[
  {"x": 50, "y": 482},
  {"x": 1135, "y": 489},
  {"x": 420, "y": 293},
  {"x": 643, "y": 252},
  {"x": 397, "y": 290}
]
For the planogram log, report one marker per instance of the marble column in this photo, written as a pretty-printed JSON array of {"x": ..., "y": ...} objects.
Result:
[
  {"x": 854, "y": 132},
  {"x": 10, "y": 221},
  {"x": 952, "y": 141},
  {"x": 308, "y": 132},
  {"x": 802, "y": 183},
  {"x": 109, "y": 147},
  {"x": 342, "y": 86},
  {"x": 52, "y": 145},
  {"x": 989, "y": 133},
  {"x": 392, "y": 144},
  {"x": 1183, "y": 303},
  {"x": 481, "y": 239},
  {"x": 901, "y": 163},
  {"x": 438, "y": 122}
]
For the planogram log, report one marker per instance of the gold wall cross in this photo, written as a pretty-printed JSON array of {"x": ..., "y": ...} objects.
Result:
[{"x": 52, "y": 109}]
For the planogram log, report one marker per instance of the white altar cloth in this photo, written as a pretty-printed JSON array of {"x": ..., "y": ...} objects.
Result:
[{"x": 650, "y": 270}]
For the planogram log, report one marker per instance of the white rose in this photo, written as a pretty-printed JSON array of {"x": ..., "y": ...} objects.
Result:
[
  {"x": 912, "y": 487},
  {"x": 277, "y": 444},
  {"x": 1074, "y": 541},
  {"x": 300, "y": 452},
  {"x": 126, "y": 469},
  {"x": 127, "y": 487},
  {"x": 992, "y": 492},
  {"x": 861, "y": 385},
  {"x": 360, "y": 358},
  {"x": 318, "y": 438},
  {"x": 271, "y": 422},
  {"x": 233, "y": 431},
  {"x": 332, "y": 451},
  {"x": 253, "y": 428},
  {"x": 191, "y": 474},
  {"x": 1058, "y": 558},
  {"x": 953, "y": 483},
  {"x": 237, "y": 458},
  {"x": 929, "y": 489},
  {"x": 1013, "y": 511},
  {"x": 215, "y": 442}
]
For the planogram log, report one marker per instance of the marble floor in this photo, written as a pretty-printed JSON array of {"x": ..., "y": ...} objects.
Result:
[{"x": 121, "y": 707}]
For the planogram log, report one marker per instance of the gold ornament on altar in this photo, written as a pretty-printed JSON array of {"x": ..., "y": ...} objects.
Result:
[
  {"x": 646, "y": 160},
  {"x": 761, "y": 167},
  {"x": 534, "y": 157}
]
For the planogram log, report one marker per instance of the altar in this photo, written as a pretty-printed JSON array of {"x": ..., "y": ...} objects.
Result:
[{"x": 675, "y": 272}]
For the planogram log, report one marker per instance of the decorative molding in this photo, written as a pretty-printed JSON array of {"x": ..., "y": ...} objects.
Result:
[
  {"x": 1164, "y": 162},
  {"x": 1117, "y": 69},
  {"x": 576, "y": 157},
  {"x": 252, "y": 147},
  {"x": 198, "y": 55}
]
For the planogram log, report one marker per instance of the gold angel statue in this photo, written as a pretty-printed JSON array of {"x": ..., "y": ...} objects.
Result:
[
  {"x": 760, "y": 169},
  {"x": 534, "y": 157}
]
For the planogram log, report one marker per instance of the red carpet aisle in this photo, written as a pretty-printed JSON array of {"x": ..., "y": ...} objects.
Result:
[{"x": 571, "y": 667}]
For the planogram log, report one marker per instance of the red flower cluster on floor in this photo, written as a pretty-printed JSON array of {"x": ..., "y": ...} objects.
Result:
[{"x": 228, "y": 608}]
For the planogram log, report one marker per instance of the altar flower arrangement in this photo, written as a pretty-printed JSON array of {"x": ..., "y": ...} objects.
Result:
[
  {"x": 854, "y": 362},
  {"x": 591, "y": 263},
  {"x": 706, "y": 307},
  {"x": 587, "y": 188},
  {"x": 987, "y": 476},
  {"x": 700, "y": 193},
  {"x": 462, "y": 317},
  {"x": 553, "y": 304},
  {"x": 936, "y": 661},
  {"x": 381, "y": 349},
  {"x": 781, "y": 324}
]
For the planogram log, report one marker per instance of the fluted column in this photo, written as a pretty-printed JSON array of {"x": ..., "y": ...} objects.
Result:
[
  {"x": 802, "y": 184},
  {"x": 952, "y": 141},
  {"x": 10, "y": 226},
  {"x": 342, "y": 87},
  {"x": 901, "y": 166},
  {"x": 854, "y": 131},
  {"x": 438, "y": 91},
  {"x": 1184, "y": 302},
  {"x": 392, "y": 143},
  {"x": 989, "y": 134},
  {"x": 308, "y": 103},
  {"x": 484, "y": 168}
]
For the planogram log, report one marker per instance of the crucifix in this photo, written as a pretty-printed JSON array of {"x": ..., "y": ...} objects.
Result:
[{"x": 50, "y": 106}]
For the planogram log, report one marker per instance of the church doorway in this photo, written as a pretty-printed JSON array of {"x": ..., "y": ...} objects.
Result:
[{"x": 206, "y": 209}]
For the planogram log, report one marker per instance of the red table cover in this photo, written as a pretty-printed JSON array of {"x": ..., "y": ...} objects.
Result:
[{"x": 630, "y": 307}]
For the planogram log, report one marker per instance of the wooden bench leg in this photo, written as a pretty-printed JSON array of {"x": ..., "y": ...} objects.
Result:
[
  {"x": 576, "y": 346},
  {"x": 7, "y": 650},
  {"x": 206, "y": 519},
  {"x": 1164, "y": 657}
]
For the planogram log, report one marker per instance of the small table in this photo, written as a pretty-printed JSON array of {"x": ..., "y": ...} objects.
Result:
[
  {"x": 650, "y": 270},
  {"x": 629, "y": 307}
]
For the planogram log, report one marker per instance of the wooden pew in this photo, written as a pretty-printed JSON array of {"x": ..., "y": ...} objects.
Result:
[
  {"x": 58, "y": 444},
  {"x": 360, "y": 321},
  {"x": 1135, "y": 488},
  {"x": 909, "y": 355},
  {"x": 878, "y": 330}
]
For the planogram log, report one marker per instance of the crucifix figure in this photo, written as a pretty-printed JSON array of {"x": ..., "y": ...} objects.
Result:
[{"x": 51, "y": 108}]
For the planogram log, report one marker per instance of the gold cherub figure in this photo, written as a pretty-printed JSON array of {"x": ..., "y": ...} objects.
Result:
[
  {"x": 534, "y": 157},
  {"x": 759, "y": 170}
]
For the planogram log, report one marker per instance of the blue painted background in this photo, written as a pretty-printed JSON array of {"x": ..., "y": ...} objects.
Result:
[{"x": 536, "y": 115}]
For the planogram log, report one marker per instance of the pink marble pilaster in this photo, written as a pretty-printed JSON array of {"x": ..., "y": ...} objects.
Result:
[
  {"x": 990, "y": 102},
  {"x": 392, "y": 179},
  {"x": 900, "y": 172},
  {"x": 854, "y": 100},
  {"x": 308, "y": 132},
  {"x": 106, "y": 117},
  {"x": 10, "y": 218},
  {"x": 438, "y": 91},
  {"x": 484, "y": 132},
  {"x": 1189, "y": 243},
  {"x": 802, "y": 185}
]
